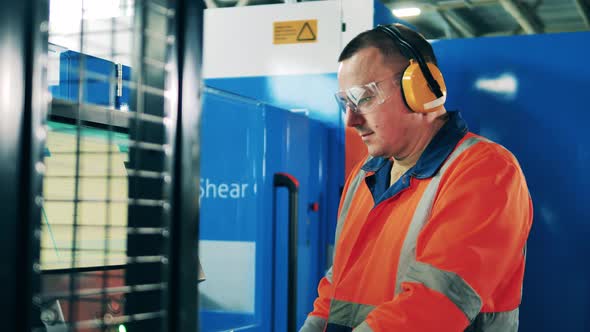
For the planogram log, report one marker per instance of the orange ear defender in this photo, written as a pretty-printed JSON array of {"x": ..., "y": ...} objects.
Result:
[
  {"x": 416, "y": 92},
  {"x": 423, "y": 86}
]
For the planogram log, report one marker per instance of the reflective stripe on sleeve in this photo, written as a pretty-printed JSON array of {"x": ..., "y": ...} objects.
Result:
[
  {"x": 505, "y": 321},
  {"x": 348, "y": 314},
  {"x": 364, "y": 327},
  {"x": 485, "y": 322},
  {"x": 447, "y": 283},
  {"x": 313, "y": 324}
]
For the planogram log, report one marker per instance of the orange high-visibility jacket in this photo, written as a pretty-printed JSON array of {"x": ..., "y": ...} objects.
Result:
[{"x": 443, "y": 251}]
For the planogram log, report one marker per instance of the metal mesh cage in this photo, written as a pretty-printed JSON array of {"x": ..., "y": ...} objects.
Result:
[{"x": 107, "y": 231}]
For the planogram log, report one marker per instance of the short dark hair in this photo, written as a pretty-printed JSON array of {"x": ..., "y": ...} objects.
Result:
[{"x": 388, "y": 48}]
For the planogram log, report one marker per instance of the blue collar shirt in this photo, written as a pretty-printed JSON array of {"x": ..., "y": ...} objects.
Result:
[{"x": 431, "y": 160}]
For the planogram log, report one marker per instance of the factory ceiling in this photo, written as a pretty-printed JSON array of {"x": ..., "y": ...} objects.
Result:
[{"x": 476, "y": 18}]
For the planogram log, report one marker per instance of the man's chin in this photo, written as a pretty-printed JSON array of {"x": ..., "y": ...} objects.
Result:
[{"x": 375, "y": 153}]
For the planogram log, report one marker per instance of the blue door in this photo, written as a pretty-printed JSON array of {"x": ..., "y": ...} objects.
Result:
[
  {"x": 245, "y": 224},
  {"x": 235, "y": 228}
]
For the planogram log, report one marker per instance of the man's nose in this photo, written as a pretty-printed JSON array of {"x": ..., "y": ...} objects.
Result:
[{"x": 353, "y": 119}]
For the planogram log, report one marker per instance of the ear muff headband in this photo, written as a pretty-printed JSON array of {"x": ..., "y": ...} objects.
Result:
[{"x": 396, "y": 35}]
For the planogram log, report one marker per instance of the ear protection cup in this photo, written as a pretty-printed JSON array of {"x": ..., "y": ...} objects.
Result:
[
  {"x": 423, "y": 86},
  {"x": 417, "y": 95}
]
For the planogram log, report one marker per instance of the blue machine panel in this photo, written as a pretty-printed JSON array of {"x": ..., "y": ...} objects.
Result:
[
  {"x": 97, "y": 86},
  {"x": 319, "y": 148},
  {"x": 318, "y": 214},
  {"x": 313, "y": 92},
  {"x": 236, "y": 226},
  {"x": 99, "y": 80},
  {"x": 530, "y": 93},
  {"x": 244, "y": 227}
]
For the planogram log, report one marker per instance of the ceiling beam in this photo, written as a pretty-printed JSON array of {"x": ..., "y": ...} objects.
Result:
[
  {"x": 570, "y": 27},
  {"x": 498, "y": 33},
  {"x": 440, "y": 5},
  {"x": 450, "y": 31},
  {"x": 458, "y": 4},
  {"x": 527, "y": 19},
  {"x": 458, "y": 23},
  {"x": 584, "y": 10}
]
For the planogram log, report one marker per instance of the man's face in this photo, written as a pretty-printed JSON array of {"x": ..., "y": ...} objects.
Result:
[{"x": 388, "y": 128}]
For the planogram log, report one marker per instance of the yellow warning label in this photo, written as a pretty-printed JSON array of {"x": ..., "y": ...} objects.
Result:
[{"x": 293, "y": 32}]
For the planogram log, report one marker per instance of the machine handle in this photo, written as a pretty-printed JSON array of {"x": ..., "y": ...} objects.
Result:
[{"x": 291, "y": 183}]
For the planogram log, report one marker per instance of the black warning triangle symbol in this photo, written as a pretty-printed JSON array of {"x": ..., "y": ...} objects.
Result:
[{"x": 306, "y": 33}]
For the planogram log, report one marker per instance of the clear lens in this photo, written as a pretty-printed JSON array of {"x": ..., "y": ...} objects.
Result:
[
  {"x": 360, "y": 99},
  {"x": 343, "y": 103}
]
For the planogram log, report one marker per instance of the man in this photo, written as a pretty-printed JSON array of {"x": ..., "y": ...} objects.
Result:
[{"x": 432, "y": 227}]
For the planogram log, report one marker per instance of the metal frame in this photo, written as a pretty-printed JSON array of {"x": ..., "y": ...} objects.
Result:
[
  {"x": 583, "y": 8},
  {"x": 184, "y": 266},
  {"x": 526, "y": 18},
  {"x": 23, "y": 36},
  {"x": 180, "y": 218},
  {"x": 151, "y": 17},
  {"x": 292, "y": 185},
  {"x": 93, "y": 114},
  {"x": 23, "y": 110},
  {"x": 457, "y": 23}
]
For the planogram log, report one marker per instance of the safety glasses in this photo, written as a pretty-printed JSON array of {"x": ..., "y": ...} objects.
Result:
[{"x": 364, "y": 99}]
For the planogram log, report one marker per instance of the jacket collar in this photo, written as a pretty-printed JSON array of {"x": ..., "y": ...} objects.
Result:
[{"x": 437, "y": 151}]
